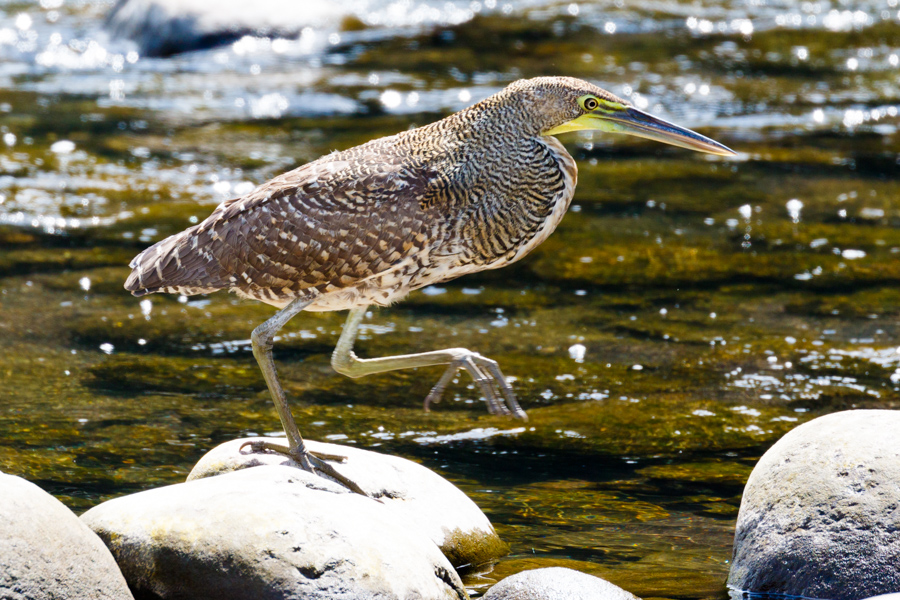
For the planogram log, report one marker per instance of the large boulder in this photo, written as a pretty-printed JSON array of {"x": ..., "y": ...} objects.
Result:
[
  {"x": 427, "y": 502},
  {"x": 820, "y": 514},
  {"x": 47, "y": 553},
  {"x": 556, "y": 583},
  {"x": 269, "y": 532}
]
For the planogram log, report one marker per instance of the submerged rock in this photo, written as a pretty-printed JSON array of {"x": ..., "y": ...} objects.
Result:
[
  {"x": 166, "y": 27},
  {"x": 425, "y": 501},
  {"x": 821, "y": 511},
  {"x": 46, "y": 552},
  {"x": 556, "y": 583},
  {"x": 269, "y": 532}
]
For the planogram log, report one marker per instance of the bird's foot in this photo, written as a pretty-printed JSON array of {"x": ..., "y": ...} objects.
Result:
[
  {"x": 314, "y": 462},
  {"x": 490, "y": 380}
]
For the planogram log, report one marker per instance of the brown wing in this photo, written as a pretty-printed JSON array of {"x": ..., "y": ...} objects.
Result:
[{"x": 326, "y": 225}]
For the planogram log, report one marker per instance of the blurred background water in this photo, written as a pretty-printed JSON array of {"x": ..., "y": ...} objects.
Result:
[{"x": 688, "y": 312}]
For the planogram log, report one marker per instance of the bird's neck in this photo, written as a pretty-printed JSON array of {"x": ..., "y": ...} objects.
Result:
[{"x": 508, "y": 121}]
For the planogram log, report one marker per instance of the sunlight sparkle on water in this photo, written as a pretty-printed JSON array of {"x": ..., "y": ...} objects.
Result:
[
  {"x": 854, "y": 117},
  {"x": 269, "y": 106},
  {"x": 479, "y": 433},
  {"x": 837, "y": 20},
  {"x": 391, "y": 98},
  {"x": 853, "y": 254},
  {"x": 794, "y": 206},
  {"x": 577, "y": 352},
  {"x": 23, "y": 21},
  {"x": 63, "y": 147}
]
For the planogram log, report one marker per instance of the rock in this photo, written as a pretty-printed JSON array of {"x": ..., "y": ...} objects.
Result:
[
  {"x": 821, "y": 511},
  {"x": 420, "y": 497},
  {"x": 556, "y": 583},
  {"x": 167, "y": 27},
  {"x": 47, "y": 553},
  {"x": 269, "y": 532}
]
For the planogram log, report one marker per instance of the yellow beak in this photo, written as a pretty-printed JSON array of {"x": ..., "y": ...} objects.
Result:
[{"x": 632, "y": 121}]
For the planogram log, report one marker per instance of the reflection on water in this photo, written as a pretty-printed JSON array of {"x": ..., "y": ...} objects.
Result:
[{"x": 688, "y": 312}]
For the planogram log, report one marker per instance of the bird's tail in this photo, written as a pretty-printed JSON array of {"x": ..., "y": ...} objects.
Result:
[{"x": 179, "y": 264}]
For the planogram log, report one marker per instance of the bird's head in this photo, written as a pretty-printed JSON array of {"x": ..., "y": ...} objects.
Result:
[{"x": 555, "y": 105}]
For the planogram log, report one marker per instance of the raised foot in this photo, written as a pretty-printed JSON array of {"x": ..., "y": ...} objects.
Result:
[
  {"x": 486, "y": 373},
  {"x": 314, "y": 462}
]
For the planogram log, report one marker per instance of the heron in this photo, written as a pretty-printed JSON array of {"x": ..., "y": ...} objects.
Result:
[{"x": 363, "y": 227}]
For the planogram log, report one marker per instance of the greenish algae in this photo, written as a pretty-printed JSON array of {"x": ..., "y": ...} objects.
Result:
[
  {"x": 29, "y": 260},
  {"x": 131, "y": 374},
  {"x": 718, "y": 472},
  {"x": 466, "y": 550},
  {"x": 875, "y": 302}
]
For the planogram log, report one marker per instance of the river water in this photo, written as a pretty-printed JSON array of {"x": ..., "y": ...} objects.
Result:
[{"x": 688, "y": 311}]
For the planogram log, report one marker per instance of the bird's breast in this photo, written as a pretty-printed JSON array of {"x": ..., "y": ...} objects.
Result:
[{"x": 520, "y": 206}]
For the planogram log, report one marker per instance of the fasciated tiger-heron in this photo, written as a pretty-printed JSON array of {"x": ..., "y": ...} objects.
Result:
[{"x": 477, "y": 190}]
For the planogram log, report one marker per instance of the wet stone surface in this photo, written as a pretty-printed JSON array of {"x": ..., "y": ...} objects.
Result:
[
  {"x": 819, "y": 511},
  {"x": 687, "y": 313},
  {"x": 426, "y": 503},
  {"x": 269, "y": 532}
]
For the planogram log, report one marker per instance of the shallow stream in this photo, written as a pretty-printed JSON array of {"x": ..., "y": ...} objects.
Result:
[{"x": 688, "y": 312}]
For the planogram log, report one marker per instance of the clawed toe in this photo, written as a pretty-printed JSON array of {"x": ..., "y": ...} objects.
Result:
[
  {"x": 314, "y": 462},
  {"x": 298, "y": 456},
  {"x": 490, "y": 380},
  {"x": 324, "y": 468},
  {"x": 263, "y": 445}
]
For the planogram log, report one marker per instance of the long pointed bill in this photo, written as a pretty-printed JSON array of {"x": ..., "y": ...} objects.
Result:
[{"x": 632, "y": 121}]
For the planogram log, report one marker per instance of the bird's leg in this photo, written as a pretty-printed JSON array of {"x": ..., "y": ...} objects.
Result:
[
  {"x": 484, "y": 371},
  {"x": 262, "y": 339}
]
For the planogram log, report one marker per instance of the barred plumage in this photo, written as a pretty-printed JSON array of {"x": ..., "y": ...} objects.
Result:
[{"x": 474, "y": 191}]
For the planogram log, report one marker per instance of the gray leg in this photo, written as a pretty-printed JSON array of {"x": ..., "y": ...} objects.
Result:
[
  {"x": 262, "y": 339},
  {"x": 484, "y": 371}
]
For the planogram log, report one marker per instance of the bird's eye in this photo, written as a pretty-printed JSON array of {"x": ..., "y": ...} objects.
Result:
[{"x": 591, "y": 103}]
